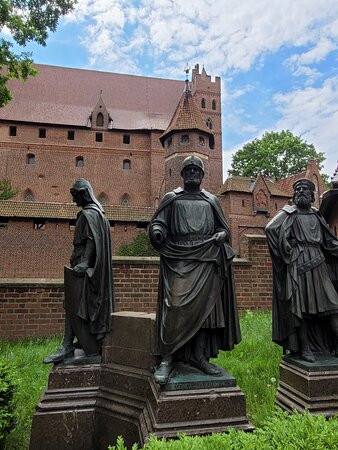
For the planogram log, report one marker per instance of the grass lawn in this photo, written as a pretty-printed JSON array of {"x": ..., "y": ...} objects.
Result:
[{"x": 254, "y": 363}]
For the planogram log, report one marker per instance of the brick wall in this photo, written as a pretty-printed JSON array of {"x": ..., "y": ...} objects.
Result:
[{"x": 31, "y": 308}]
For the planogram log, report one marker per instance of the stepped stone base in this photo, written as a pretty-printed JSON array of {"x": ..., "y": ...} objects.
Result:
[
  {"x": 88, "y": 407},
  {"x": 312, "y": 386}
]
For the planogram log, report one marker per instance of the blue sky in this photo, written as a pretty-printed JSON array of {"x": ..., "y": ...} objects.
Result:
[{"x": 277, "y": 59}]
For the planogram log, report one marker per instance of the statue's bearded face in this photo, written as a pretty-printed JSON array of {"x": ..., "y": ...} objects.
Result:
[
  {"x": 303, "y": 195},
  {"x": 192, "y": 176}
]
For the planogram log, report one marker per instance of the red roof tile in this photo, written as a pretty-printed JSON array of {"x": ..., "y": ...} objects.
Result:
[
  {"x": 64, "y": 96},
  {"x": 246, "y": 184},
  {"x": 187, "y": 116},
  {"x": 9, "y": 208}
]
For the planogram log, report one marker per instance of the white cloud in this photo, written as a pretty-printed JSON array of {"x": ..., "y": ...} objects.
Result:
[
  {"x": 313, "y": 114},
  {"x": 224, "y": 35}
]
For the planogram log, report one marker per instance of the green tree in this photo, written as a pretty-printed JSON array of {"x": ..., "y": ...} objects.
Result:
[
  {"x": 6, "y": 190},
  {"x": 278, "y": 154},
  {"x": 27, "y": 20}
]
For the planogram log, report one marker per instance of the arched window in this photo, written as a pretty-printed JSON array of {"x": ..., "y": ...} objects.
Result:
[
  {"x": 209, "y": 123},
  {"x": 28, "y": 196},
  {"x": 125, "y": 200},
  {"x": 99, "y": 120},
  {"x": 213, "y": 105},
  {"x": 126, "y": 164},
  {"x": 203, "y": 103},
  {"x": 79, "y": 161},
  {"x": 103, "y": 199},
  {"x": 185, "y": 139},
  {"x": 201, "y": 140},
  {"x": 30, "y": 158}
]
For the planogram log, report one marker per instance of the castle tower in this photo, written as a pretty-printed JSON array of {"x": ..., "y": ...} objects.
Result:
[
  {"x": 207, "y": 95},
  {"x": 187, "y": 134}
]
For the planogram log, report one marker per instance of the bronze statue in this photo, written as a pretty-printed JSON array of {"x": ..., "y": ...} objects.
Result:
[
  {"x": 304, "y": 254},
  {"x": 88, "y": 283},
  {"x": 196, "y": 313}
]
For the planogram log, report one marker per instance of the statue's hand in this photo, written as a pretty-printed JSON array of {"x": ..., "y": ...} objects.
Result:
[
  {"x": 80, "y": 269},
  {"x": 220, "y": 237}
]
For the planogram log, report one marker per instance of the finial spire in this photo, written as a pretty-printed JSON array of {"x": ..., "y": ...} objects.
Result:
[{"x": 187, "y": 70}]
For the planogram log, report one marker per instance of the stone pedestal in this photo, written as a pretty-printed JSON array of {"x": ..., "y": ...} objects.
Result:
[
  {"x": 312, "y": 386},
  {"x": 88, "y": 407}
]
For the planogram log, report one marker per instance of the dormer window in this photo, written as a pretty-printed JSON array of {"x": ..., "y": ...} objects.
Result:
[
  {"x": 28, "y": 196},
  {"x": 99, "y": 120}
]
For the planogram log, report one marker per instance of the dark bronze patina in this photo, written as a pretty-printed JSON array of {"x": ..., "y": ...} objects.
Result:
[
  {"x": 88, "y": 282},
  {"x": 197, "y": 313},
  {"x": 304, "y": 253}
]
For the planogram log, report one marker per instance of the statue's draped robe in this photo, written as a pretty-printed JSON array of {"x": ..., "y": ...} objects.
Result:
[
  {"x": 196, "y": 283},
  {"x": 304, "y": 253},
  {"x": 96, "y": 302}
]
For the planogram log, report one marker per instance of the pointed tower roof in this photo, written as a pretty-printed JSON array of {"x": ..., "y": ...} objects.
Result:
[{"x": 186, "y": 117}]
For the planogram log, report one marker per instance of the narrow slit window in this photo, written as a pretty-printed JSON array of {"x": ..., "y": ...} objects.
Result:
[
  {"x": 42, "y": 133},
  {"x": 71, "y": 135},
  {"x": 203, "y": 103},
  {"x": 99, "y": 120},
  {"x": 213, "y": 105},
  {"x": 126, "y": 138}
]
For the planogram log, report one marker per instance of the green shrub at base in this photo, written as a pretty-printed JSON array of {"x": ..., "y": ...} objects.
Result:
[
  {"x": 7, "y": 387},
  {"x": 140, "y": 246},
  {"x": 282, "y": 431}
]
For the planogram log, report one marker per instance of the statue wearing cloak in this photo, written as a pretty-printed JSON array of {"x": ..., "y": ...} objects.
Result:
[
  {"x": 196, "y": 289},
  {"x": 304, "y": 254}
]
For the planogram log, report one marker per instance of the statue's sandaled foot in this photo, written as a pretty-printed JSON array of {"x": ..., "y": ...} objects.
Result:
[
  {"x": 209, "y": 369},
  {"x": 162, "y": 373},
  {"x": 60, "y": 354},
  {"x": 308, "y": 356}
]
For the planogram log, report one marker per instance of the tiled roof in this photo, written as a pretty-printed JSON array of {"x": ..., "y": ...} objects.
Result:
[
  {"x": 63, "y": 96},
  {"x": 9, "y": 208},
  {"x": 246, "y": 184},
  {"x": 187, "y": 116},
  {"x": 287, "y": 183}
]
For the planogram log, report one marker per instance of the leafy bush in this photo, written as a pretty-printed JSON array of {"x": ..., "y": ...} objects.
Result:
[
  {"x": 281, "y": 431},
  {"x": 7, "y": 387},
  {"x": 140, "y": 246}
]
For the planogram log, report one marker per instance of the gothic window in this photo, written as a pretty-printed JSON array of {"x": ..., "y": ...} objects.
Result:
[
  {"x": 213, "y": 105},
  {"x": 125, "y": 201},
  {"x": 126, "y": 164},
  {"x": 28, "y": 196},
  {"x": 12, "y": 130},
  {"x": 203, "y": 103},
  {"x": 103, "y": 199},
  {"x": 98, "y": 137},
  {"x": 79, "y": 161},
  {"x": 30, "y": 158},
  {"x": 42, "y": 133},
  {"x": 201, "y": 140},
  {"x": 209, "y": 123},
  {"x": 126, "y": 138},
  {"x": 99, "y": 120},
  {"x": 71, "y": 135},
  {"x": 185, "y": 139}
]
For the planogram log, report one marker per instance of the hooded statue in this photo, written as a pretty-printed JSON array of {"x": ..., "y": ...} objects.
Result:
[
  {"x": 304, "y": 254},
  {"x": 88, "y": 283},
  {"x": 196, "y": 313}
]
